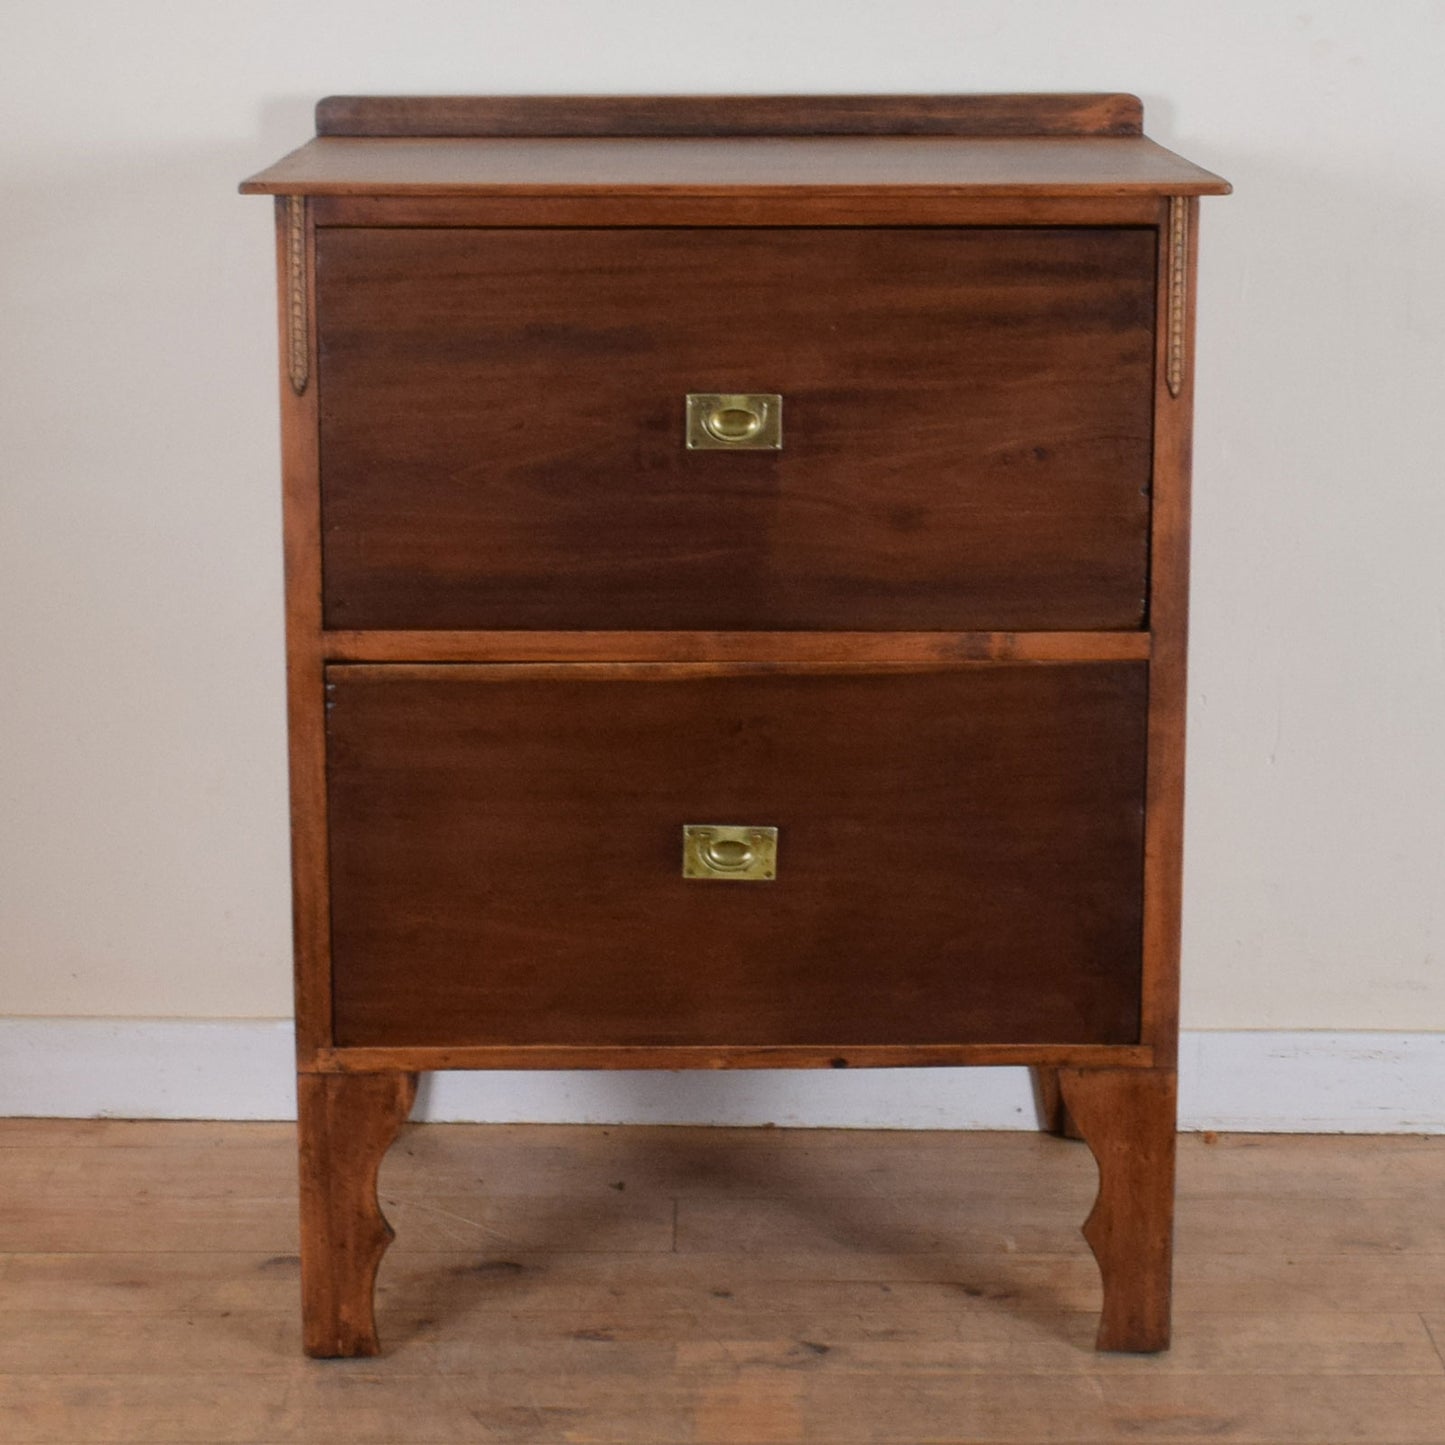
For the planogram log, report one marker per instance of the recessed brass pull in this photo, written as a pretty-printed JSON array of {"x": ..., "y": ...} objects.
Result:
[
  {"x": 734, "y": 421},
  {"x": 726, "y": 851}
]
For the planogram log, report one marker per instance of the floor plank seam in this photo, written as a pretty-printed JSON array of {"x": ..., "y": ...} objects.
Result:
[
  {"x": 1436, "y": 1341},
  {"x": 818, "y": 1312}
]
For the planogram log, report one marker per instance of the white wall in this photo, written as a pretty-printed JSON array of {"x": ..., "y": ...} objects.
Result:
[{"x": 143, "y": 868}]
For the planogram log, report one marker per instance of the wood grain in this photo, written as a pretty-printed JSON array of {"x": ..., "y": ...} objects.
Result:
[
  {"x": 910, "y": 1338},
  {"x": 492, "y": 826},
  {"x": 728, "y": 115},
  {"x": 940, "y": 637},
  {"x": 346, "y": 1124},
  {"x": 1127, "y": 1117},
  {"x": 769, "y": 208},
  {"x": 1054, "y": 1116},
  {"x": 839, "y": 1055},
  {"x": 739, "y": 167},
  {"x": 502, "y": 429},
  {"x": 305, "y": 698},
  {"x": 878, "y": 1336},
  {"x": 788, "y": 647},
  {"x": 1169, "y": 627}
]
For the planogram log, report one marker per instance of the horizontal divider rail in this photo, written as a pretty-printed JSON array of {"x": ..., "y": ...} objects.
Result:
[{"x": 778, "y": 647}]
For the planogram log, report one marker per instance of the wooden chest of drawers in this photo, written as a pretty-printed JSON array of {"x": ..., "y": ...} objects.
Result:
[{"x": 736, "y": 580}]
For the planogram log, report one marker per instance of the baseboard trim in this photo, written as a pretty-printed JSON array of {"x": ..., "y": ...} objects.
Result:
[{"x": 1251, "y": 1081}]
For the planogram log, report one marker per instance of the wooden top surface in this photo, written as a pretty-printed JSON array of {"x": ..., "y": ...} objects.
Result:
[{"x": 916, "y": 165}]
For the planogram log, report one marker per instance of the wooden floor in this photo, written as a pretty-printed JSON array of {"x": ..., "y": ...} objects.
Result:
[{"x": 688, "y": 1285}]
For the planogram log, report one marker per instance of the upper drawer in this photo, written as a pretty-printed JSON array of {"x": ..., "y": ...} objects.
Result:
[{"x": 966, "y": 428}]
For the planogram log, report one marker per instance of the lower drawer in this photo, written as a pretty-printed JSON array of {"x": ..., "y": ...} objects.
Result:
[{"x": 959, "y": 853}]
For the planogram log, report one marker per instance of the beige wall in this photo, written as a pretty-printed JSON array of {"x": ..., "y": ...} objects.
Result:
[{"x": 142, "y": 801}]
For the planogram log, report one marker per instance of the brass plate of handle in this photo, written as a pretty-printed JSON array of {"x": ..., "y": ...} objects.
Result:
[
  {"x": 734, "y": 421},
  {"x": 729, "y": 852}
]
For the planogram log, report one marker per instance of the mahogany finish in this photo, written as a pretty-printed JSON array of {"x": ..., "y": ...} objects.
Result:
[
  {"x": 1054, "y": 1115},
  {"x": 363, "y": 1059},
  {"x": 305, "y": 698},
  {"x": 791, "y": 206},
  {"x": 676, "y": 646},
  {"x": 1169, "y": 628},
  {"x": 938, "y": 639},
  {"x": 728, "y": 115},
  {"x": 1127, "y": 1117},
  {"x": 959, "y": 855},
  {"x": 346, "y": 1124},
  {"x": 501, "y": 414}
]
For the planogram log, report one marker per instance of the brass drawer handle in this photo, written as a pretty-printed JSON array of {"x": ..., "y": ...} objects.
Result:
[
  {"x": 724, "y": 851},
  {"x": 734, "y": 421}
]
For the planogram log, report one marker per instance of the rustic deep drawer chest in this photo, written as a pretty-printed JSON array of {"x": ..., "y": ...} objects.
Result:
[{"x": 736, "y": 583}]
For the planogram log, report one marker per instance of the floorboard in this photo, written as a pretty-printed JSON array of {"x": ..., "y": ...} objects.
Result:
[{"x": 630, "y": 1285}]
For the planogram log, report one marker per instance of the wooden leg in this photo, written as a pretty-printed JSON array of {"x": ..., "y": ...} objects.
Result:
[
  {"x": 1054, "y": 1116},
  {"x": 346, "y": 1123},
  {"x": 1127, "y": 1117}
]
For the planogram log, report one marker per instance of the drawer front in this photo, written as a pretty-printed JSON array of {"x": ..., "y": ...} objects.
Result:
[
  {"x": 959, "y": 854},
  {"x": 966, "y": 428}
]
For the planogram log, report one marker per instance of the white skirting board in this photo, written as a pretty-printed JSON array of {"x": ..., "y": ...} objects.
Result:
[{"x": 1259, "y": 1082}]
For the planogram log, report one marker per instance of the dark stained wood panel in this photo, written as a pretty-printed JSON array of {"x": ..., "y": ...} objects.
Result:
[
  {"x": 960, "y": 854},
  {"x": 810, "y": 647},
  {"x": 731, "y": 115},
  {"x": 938, "y": 641},
  {"x": 761, "y": 208},
  {"x": 967, "y": 427},
  {"x": 368, "y": 1059},
  {"x": 735, "y": 166}
]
